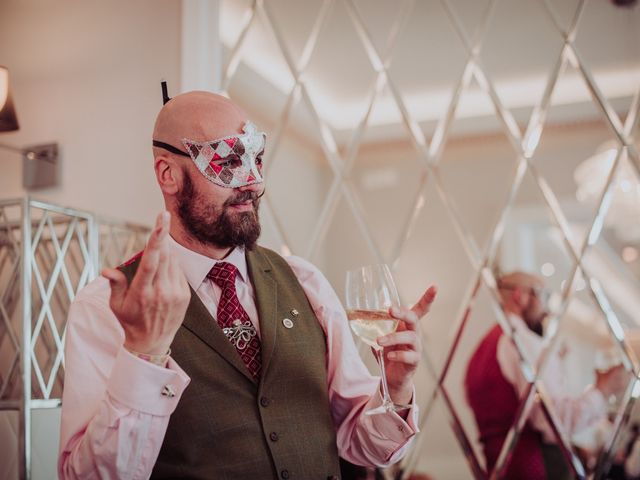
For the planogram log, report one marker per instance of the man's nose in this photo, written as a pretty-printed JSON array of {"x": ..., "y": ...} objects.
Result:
[{"x": 254, "y": 187}]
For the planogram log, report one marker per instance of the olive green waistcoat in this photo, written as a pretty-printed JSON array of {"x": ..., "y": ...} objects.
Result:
[{"x": 229, "y": 426}]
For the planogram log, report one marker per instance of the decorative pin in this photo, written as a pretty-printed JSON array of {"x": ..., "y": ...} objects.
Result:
[
  {"x": 241, "y": 334},
  {"x": 287, "y": 323},
  {"x": 294, "y": 312}
]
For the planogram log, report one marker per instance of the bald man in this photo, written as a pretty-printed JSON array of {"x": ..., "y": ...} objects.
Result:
[
  {"x": 208, "y": 356},
  {"x": 495, "y": 384}
]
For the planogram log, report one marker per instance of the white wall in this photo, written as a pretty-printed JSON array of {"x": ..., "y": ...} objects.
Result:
[{"x": 87, "y": 75}]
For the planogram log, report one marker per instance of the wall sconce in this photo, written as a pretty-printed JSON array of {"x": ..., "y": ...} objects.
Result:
[{"x": 39, "y": 162}]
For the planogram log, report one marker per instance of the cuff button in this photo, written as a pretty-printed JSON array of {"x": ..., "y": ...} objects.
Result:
[{"x": 168, "y": 391}]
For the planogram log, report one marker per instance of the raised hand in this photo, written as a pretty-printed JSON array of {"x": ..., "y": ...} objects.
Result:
[
  {"x": 612, "y": 381},
  {"x": 403, "y": 348},
  {"x": 151, "y": 308}
]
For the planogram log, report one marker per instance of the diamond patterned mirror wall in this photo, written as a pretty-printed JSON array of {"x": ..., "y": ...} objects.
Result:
[{"x": 490, "y": 147}]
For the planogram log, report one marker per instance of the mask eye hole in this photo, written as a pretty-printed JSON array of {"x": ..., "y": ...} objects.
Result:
[
  {"x": 259, "y": 159},
  {"x": 231, "y": 161}
]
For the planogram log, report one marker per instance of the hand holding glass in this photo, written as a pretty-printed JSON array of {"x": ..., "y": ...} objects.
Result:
[{"x": 370, "y": 292}]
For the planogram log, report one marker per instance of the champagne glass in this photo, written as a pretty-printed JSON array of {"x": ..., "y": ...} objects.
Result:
[{"x": 370, "y": 292}]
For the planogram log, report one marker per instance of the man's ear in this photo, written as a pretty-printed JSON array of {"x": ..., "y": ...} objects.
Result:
[{"x": 168, "y": 174}]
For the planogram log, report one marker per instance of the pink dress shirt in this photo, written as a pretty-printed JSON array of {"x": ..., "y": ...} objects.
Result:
[
  {"x": 575, "y": 413},
  {"x": 114, "y": 415}
]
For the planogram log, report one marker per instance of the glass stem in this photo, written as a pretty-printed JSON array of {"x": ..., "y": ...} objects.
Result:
[{"x": 386, "y": 398}]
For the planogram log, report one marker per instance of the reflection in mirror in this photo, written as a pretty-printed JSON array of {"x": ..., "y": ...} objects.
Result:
[
  {"x": 253, "y": 57},
  {"x": 613, "y": 60},
  {"x": 595, "y": 373},
  {"x": 427, "y": 85},
  {"x": 441, "y": 456},
  {"x": 298, "y": 154},
  {"x": 533, "y": 242},
  {"x": 622, "y": 460},
  {"x": 564, "y": 13},
  {"x": 520, "y": 73},
  {"x": 611, "y": 259},
  {"x": 476, "y": 155},
  {"x": 538, "y": 450},
  {"x": 434, "y": 245},
  {"x": 387, "y": 173},
  {"x": 575, "y": 157},
  {"x": 482, "y": 397},
  {"x": 340, "y": 104}
]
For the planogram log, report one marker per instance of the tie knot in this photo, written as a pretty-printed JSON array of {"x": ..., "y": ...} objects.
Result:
[{"x": 224, "y": 274}]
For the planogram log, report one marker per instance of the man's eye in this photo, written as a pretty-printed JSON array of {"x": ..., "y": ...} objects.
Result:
[{"x": 231, "y": 162}]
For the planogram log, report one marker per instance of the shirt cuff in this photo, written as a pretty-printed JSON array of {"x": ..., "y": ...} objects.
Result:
[
  {"x": 145, "y": 387},
  {"x": 391, "y": 427}
]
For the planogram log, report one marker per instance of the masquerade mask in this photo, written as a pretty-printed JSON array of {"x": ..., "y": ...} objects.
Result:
[{"x": 233, "y": 161}]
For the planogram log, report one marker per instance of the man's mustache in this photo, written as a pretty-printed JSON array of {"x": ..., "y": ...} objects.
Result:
[{"x": 243, "y": 197}]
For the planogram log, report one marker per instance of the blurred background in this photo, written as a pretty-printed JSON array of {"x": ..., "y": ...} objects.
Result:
[{"x": 451, "y": 139}]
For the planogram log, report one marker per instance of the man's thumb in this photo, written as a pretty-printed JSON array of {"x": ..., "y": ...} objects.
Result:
[{"x": 118, "y": 283}]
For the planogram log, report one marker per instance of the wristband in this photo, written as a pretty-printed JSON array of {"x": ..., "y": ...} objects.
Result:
[{"x": 160, "y": 360}]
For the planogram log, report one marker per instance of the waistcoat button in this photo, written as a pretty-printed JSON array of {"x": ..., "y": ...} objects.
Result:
[
  {"x": 274, "y": 438},
  {"x": 284, "y": 474},
  {"x": 264, "y": 401}
]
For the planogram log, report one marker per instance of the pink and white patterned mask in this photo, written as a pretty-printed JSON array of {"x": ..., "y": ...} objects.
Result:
[{"x": 232, "y": 162}]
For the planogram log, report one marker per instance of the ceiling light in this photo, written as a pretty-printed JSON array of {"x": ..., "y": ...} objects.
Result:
[{"x": 548, "y": 269}]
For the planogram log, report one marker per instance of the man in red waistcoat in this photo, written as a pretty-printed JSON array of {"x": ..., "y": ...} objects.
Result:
[
  {"x": 208, "y": 356},
  {"x": 494, "y": 385}
]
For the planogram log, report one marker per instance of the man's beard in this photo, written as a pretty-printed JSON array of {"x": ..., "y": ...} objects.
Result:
[
  {"x": 534, "y": 321},
  {"x": 220, "y": 227}
]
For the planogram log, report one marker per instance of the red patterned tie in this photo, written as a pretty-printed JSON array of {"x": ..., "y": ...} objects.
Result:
[{"x": 233, "y": 319}]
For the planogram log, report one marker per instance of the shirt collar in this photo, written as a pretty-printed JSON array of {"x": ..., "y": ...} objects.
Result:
[{"x": 196, "y": 266}]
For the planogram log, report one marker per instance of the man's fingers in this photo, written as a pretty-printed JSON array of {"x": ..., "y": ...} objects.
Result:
[
  {"x": 410, "y": 357},
  {"x": 162, "y": 273},
  {"x": 406, "y": 338},
  {"x": 180, "y": 280},
  {"x": 151, "y": 257},
  {"x": 118, "y": 283},
  {"x": 409, "y": 317},
  {"x": 424, "y": 304}
]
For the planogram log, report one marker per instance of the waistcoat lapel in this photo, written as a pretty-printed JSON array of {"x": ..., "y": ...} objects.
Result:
[
  {"x": 266, "y": 292},
  {"x": 199, "y": 322}
]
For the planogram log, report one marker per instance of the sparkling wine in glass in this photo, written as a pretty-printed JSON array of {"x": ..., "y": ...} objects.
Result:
[{"x": 370, "y": 292}]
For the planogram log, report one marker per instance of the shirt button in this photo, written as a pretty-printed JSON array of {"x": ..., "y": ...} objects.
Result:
[
  {"x": 274, "y": 438},
  {"x": 284, "y": 474},
  {"x": 264, "y": 401}
]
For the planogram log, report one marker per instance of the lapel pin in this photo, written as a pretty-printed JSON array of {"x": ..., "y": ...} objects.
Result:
[{"x": 287, "y": 323}]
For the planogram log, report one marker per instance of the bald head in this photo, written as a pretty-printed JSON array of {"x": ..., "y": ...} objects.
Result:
[
  {"x": 520, "y": 279},
  {"x": 524, "y": 295},
  {"x": 198, "y": 116}
]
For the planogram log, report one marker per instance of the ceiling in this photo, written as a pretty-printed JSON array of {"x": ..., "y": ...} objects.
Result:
[{"x": 518, "y": 50}]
